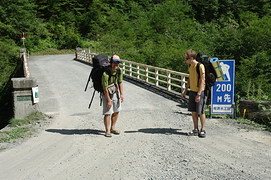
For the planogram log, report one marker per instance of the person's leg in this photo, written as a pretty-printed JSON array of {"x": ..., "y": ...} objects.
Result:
[
  {"x": 192, "y": 109},
  {"x": 202, "y": 132},
  {"x": 114, "y": 119},
  {"x": 202, "y": 121},
  {"x": 107, "y": 123},
  {"x": 107, "y": 113},
  {"x": 116, "y": 108},
  {"x": 195, "y": 120},
  {"x": 202, "y": 115}
]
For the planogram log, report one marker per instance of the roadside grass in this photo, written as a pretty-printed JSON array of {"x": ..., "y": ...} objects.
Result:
[
  {"x": 21, "y": 128},
  {"x": 52, "y": 51},
  {"x": 254, "y": 124}
]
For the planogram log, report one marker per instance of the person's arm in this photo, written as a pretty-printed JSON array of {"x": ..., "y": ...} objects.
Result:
[
  {"x": 187, "y": 85},
  {"x": 201, "y": 83},
  {"x": 105, "y": 90},
  {"x": 120, "y": 85},
  {"x": 121, "y": 92},
  {"x": 107, "y": 97}
]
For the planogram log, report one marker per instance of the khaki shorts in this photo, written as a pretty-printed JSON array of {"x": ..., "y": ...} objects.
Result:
[
  {"x": 116, "y": 105},
  {"x": 196, "y": 106}
]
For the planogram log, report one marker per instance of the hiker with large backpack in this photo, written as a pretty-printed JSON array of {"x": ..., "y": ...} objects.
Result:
[
  {"x": 197, "y": 94},
  {"x": 112, "y": 95},
  {"x": 107, "y": 80}
]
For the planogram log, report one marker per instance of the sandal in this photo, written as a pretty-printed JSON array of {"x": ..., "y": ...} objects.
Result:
[
  {"x": 202, "y": 134},
  {"x": 194, "y": 132},
  {"x": 116, "y": 132},
  {"x": 108, "y": 135}
]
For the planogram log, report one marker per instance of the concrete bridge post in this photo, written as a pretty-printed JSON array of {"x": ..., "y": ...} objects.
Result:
[
  {"x": 22, "y": 52},
  {"x": 22, "y": 97}
]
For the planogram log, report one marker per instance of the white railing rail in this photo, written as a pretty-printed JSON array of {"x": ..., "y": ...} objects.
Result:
[{"x": 169, "y": 80}]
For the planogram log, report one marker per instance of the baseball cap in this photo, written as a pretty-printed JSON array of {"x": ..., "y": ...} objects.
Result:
[{"x": 115, "y": 58}]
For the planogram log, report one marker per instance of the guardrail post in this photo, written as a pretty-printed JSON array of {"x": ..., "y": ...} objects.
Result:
[
  {"x": 137, "y": 71},
  {"x": 169, "y": 81},
  {"x": 156, "y": 77},
  {"x": 183, "y": 82},
  {"x": 87, "y": 57},
  {"x": 147, "y": 74},
  {"x": 130, "y": 69},
  {"x": 123, "y": 67}
]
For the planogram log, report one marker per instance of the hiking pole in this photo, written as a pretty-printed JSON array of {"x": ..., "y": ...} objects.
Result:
[
  {"x": 91, "y": 99},
  {"x": 88, "y": 81}
]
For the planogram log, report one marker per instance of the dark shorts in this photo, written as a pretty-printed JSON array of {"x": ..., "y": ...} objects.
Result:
[{"x": 194, "y": 106}]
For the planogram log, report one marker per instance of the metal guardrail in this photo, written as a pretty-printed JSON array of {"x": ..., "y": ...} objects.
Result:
[{"x": 168, "y": 80}]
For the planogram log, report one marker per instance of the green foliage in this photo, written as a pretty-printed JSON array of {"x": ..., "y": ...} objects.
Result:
[
  {"x": 9, "y": 57},
  {"x": 254, "y": 77},
  {"x": 20, "y": 128},
  {"x": 265, "y": 124},
  {"x": 256, "y": 36},
  {"x": 13, "y": 134}
]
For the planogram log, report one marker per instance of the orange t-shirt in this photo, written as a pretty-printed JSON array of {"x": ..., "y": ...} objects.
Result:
[{"x": 193, "y": 76}]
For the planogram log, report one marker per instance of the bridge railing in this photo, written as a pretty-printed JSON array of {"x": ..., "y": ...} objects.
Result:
[
  {"x": 24, "y": 99},
  {"x": 24, "y": 60},
  {"x": 168, "y": 80}
]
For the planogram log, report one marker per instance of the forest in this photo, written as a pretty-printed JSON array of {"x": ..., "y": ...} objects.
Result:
[{"x": 154, "y": 32}]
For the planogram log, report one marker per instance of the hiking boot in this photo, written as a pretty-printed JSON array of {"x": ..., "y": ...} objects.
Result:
[{"x": 202, "y": 134}]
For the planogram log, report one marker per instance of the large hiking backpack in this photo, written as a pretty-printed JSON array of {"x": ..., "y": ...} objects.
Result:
[
  {"x": 210, "y": 74},
  {"x": 101, "y": 64}
]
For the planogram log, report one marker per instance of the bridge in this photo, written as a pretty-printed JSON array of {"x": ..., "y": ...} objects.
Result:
[{"x": 153, "y": 143}]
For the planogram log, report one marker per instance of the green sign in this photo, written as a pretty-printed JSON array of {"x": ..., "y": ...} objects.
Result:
[{"x": 24, "y": 98}]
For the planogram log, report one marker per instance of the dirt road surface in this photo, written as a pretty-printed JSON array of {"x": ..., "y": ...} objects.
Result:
[{"x": 152, "y": 145}]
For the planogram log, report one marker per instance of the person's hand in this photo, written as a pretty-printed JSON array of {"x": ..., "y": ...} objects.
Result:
[
  {"x": 121, "y": 98},
  {"x": 197, "y": 99},
  {"x": 109, "y": 104}
]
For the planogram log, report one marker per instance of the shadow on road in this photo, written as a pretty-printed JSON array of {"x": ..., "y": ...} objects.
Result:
[
  {"x": 166, "y": 131},
  {"x": 76, "y": 131},
  {"x": 184, "y": 113}
]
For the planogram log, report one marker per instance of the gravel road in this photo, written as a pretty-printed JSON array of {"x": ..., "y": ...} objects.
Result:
[{"x": 152, "y": 145}]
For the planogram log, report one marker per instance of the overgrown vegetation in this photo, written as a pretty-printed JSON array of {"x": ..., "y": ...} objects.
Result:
[
  {"x": 264, "y": 125},
  {"x": 20, "y": 128}
]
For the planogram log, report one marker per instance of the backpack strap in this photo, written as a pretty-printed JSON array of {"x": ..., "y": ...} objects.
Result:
[
  {"x": 198, "y": 72},
  {"x": 197, "y": 69},
  {"x": 108, "y": 72},
  {"x": 110, "y": 75}
]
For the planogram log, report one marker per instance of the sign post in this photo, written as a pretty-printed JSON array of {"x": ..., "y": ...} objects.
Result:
[
  {"x": 23, "y": 36},
  {"x": 222, "y": 93}
]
